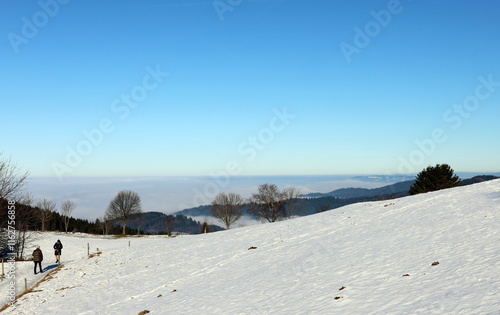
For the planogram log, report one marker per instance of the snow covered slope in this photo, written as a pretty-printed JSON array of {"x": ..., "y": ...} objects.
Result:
[{"x": 380, "y": 253}]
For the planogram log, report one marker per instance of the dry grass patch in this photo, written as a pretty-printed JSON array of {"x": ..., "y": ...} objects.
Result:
[
  {"x": 47, "y": 277},
  {"x": 95, "y": 254}
]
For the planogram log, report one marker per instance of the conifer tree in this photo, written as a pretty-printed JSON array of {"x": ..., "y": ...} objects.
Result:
[{"x": 434, "y": 178}]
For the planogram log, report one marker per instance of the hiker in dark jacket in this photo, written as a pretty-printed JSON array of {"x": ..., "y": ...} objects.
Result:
[
  {"x": 38, "y": 258},
  {"x": 58, "y": 247}
]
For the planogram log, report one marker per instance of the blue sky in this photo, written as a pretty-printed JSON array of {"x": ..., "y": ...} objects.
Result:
[{"x": 251, "y": 87}]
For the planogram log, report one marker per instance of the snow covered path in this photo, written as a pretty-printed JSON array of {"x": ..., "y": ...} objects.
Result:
[{"x": 379, "y": 252}]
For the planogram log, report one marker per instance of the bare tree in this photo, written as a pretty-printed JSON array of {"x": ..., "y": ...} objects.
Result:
[
  {"x": 227, "y": 208},
  {"x": 24, "y": 222},
  {"x": 268, "y": 203},
  {"x": 169, "y": 224},
  {"x": 204, "y": 227},
  {"x": 104, "y": 224},
  {"x": 125, "y": 205},
  {"x": 294, "y": 205},
  {"x": 24, "y": 238},
  {"x": 12, "y": 180},
  {"x": 67, "y": 206},
  {"x": 107, "y": 225},
  {"x": 12, "y": 189},
  {"x": 47, "y": 208}
]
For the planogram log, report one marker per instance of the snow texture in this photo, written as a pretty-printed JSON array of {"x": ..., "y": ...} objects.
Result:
[{"x": 366, "y": 258}]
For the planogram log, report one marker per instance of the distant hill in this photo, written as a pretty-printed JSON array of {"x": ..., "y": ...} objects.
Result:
[
  {"x": 155, "y": 222},
  {"x": 397, "y": 190},
  {"x": 365, "y": 192},
  {"x": 478, "y": 179},
  {"x": 195, "y": 212}
]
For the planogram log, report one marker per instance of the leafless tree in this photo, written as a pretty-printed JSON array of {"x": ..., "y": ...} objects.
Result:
[
  {"x": 107, "y": 225},
  {"x": 268, "y": 203},
  {"x": 125, "y": 205},
  {"x": 294, "y": 205},
  {"x": 23, "y": 223},
  {"x": 227, "y": 208},
  {"x": 13, "y": 189},
  {"x": 169, "y": 224},
  {"x": 104, "y": 224},
  {"x": 47, "y": 208},
  {"x": 204, "y": 227},
  {"x": 67, "y": 207},
  {"x": 12, "y": 180}
]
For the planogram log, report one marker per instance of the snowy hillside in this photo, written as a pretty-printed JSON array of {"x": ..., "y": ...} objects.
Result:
[{"x": 380, "y": 253}]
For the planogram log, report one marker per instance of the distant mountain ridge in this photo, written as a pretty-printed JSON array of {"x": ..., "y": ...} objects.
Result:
[
  {"x": 365, "y": 192},
  {"x": 478, "y": 179},
  {"x": 398, "y": 189}
]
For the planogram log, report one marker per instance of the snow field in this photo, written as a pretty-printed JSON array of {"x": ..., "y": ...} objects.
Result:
[{"x": 381, "y": 252}]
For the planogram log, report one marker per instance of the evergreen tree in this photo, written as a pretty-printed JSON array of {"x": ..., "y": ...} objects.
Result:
[{"x": 434, "y": 178}]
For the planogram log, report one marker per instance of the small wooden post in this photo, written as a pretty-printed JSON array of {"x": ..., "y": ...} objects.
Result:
[
  {"x": 25, "y": 284},
  {"x": 128, "y": 243},
  {"x": 88, "y": 249},
  {"x": 2, "y": 268}
]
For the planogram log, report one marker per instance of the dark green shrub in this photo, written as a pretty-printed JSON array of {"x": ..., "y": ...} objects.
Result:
[{"x": 435, "y": 178}]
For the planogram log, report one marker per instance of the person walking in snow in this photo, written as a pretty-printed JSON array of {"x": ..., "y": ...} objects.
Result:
[
  {"x": 38, "y": 258},
  {"x": 58, "y": 247}
]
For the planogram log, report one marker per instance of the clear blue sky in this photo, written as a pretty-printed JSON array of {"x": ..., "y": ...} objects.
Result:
[{"x": 358, "y": 83}]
